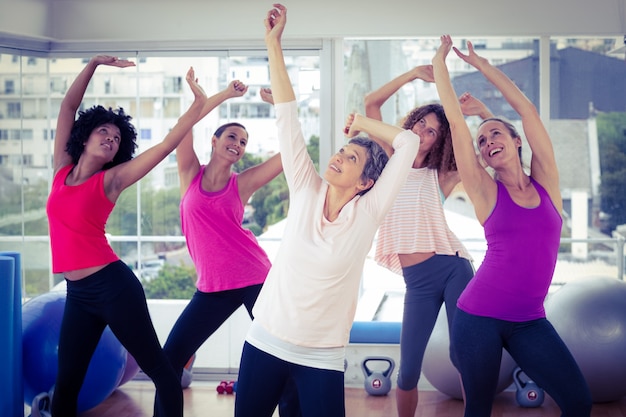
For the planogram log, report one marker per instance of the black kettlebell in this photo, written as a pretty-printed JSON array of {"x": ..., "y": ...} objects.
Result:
[
  {"x": 377, "y": 382},
  {"x": 528, "y": 393}
]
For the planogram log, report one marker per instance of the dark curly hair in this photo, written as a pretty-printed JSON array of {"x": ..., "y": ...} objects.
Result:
[
  {"x": 376, "y": 159},
  {"x": 441, "y": 155},
  {"x": 96, "y": 116}
]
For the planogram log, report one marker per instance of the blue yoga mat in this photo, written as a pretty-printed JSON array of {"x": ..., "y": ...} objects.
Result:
[{"x": 11, "y": 387}]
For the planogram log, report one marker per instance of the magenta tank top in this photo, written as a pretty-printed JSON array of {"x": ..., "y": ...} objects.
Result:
[
  {"x": 226, "y": 255},
  {"x": 77, "y": 216},
  {"x": 522, "y": 247}
]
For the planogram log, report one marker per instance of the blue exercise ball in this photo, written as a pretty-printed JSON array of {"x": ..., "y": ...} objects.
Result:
[
  {"x": 41, "y": 323},
  {"x": 130, "y": 370},
  {"x": 590, "y": 317}
]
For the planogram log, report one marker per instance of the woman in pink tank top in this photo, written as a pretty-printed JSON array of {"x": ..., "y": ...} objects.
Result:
[
  {"x": 93, "y": 164},
  {"x": 230, "y": 264}
]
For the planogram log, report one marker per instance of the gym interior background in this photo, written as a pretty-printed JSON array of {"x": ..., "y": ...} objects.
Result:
[{"x": 569, "y": 56}]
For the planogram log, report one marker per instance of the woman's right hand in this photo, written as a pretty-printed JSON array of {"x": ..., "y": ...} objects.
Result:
[
  {"x": 112, "y": 61},
  {"x": 350, "y": 129},
  {"x": 275, "y": 22},
  {"x": 266, "y": 95},
  {"x": 197, "y": 90}
]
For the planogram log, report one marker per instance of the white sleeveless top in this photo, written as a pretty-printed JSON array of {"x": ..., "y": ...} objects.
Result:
[{"x": 416, "y": 223}]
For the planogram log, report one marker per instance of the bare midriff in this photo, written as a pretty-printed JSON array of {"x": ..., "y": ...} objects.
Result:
[
  {"x": 82, "y": 273},
  {"x": 410, "y": 259}
]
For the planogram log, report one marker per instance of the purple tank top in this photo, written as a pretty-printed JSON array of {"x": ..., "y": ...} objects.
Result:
[{"x": 522, "y": 247}]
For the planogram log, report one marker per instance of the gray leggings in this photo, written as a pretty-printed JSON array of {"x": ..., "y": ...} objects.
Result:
[{"x": 429, "y": 284}]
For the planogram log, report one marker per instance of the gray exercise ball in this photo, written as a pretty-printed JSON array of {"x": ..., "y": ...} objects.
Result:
[{"x": 590, "y": 317}]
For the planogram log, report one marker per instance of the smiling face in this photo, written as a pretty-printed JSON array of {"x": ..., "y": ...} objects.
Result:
[
  {"x": 497, "y": 143},
  {"x": 345, "y": 168},
  {"x": 104, "y": 141},
  {"x": 231, "y": 143}
]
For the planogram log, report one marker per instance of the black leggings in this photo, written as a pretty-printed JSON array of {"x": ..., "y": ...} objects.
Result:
[
  {"x": 204, "y": 314},
  {"x": 112, "y": 296}
]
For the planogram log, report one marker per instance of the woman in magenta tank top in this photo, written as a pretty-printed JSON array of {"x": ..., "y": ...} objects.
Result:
[
  {"x": 231, "y": 266},
  {"x": 502, "y": 306}
]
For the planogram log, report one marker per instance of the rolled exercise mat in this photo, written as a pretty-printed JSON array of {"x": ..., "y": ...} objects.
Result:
[{"x": 10, "y": 405}]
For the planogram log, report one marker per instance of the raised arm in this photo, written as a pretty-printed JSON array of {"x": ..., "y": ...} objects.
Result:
[
  {"x": 257, "y": 176},
  {"x": 357, "y": 123},
  {"x": 471, "y": 106},
  {"x": 266, "y": 95},
  {"x": 275, "y": 21},
  {"x": 375, "y": 99},
  {"x": 71, "y": 103},
  {"x": 123, "y": 175},
  {"x": 543, "y": 163},
  {"x": 186, "y": 158},
  {"x": 477, "y": 183}
]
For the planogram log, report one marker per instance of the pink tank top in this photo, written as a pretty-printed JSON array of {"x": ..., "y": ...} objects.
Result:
[
  {"x": 523, "y": 243},
  {"x": 77, "y": 216},
  {"x": 226, "y": 255}
]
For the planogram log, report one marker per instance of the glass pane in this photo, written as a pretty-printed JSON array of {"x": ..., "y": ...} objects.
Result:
[
  {"x": 145, "y": 224},
  {"x": 587, "y": 98},
  {"x": 588, "y": 131}
]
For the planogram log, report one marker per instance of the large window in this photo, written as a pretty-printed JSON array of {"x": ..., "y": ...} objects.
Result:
[
  {"x": 144, "y": 227},
  {"x": 578, "y": 86},
  {"x": 576, "y": 83}
]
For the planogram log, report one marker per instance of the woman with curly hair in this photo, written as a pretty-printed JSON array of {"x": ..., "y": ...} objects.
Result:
[
  {"x": 93, "y": 164},
  {"x": 414, "y": 239}
]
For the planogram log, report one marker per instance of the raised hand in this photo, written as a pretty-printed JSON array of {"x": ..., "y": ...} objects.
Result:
[
  {"x": 196, "y": 89},
  {"x": 266, "y": 95},
  {"x": 112, "y": 61},
  {"x": 472, "y": 57},
  {"x": 471, "y": 106},
  {"x": 350, "y": 129},
  {"x": 423, "y": 72},
  {"x": 444, "y": 48},
  {"x": 275, "y": 22},
  {"x": 237, "y": 89}
]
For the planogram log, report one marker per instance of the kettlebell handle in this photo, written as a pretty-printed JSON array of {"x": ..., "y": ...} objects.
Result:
[
  {"x": 516, "y": 377},
  {"x": 389, "y": 360}
]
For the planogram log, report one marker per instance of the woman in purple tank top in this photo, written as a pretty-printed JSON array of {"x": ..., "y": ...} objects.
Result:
[{"x": 514, "y": 207}]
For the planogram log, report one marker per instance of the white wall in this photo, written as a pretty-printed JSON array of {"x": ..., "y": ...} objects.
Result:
[
  {"x": 207, "y": 24},
  {"x": 222, "y": 351}
]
